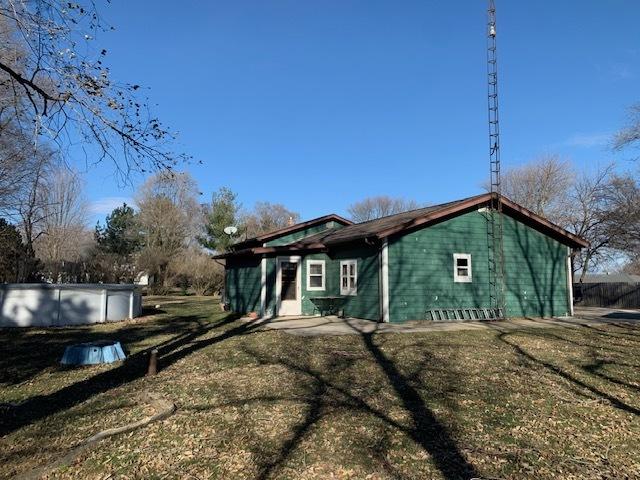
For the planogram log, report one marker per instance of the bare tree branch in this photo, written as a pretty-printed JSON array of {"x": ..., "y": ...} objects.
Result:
[
  {"x": 630, "y": 135},
  {"x": 50, "y": 77},
  {"x": 381, "y": 206}
]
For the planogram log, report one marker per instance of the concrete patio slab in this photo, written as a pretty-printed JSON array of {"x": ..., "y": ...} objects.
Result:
[{"x": 332, "y": 325}]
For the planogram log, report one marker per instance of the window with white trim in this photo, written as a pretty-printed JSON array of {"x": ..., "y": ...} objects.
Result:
[
  {"x": 462, "y": 267},
  {"x": 315, "y": 275},
  {"x": 349, "y": 277}
]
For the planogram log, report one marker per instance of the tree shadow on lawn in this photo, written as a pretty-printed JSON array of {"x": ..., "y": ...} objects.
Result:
[
  {"x": 624, "y": 331},
  {"x": 332, "y": 386},
  {"x": 134, "y": 367},
  {"x": 587, "y": 339},
  {"x": 434, "y": 437},
  {"x": 508, "y": 339},
  {"x": 335, "y": 388},
  {"x": 596, "y": 366},
  {"x": 27, "y": 352}
]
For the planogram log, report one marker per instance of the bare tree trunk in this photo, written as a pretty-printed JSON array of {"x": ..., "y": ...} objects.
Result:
[{"x": 585, "y": 266}]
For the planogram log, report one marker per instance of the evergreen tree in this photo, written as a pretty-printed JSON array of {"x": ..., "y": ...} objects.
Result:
[
  {"x": 14, "y": 256},
  {"x": 120, "y": 235},
  {"x": 116, "y": 243},
  {"x": 223, "y": 212}
]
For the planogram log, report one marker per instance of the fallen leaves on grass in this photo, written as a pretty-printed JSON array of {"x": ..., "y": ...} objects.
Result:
[{"x": 542, "y": 403}]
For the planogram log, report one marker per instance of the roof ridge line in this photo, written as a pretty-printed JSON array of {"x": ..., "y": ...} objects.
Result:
[{"x": 420, "y": 208}]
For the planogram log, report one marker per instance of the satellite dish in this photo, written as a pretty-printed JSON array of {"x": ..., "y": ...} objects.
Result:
[{"x": 230, "y": 230}]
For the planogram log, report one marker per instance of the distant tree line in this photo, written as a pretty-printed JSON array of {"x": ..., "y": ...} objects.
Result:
[
  {"x": 169, "y": 235},
  {"x": 56, "y": 92},
  {"x": 600, "y": 204}
]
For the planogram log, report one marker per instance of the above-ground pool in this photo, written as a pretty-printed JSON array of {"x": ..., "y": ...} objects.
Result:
[{"x": 56, "y": 305}]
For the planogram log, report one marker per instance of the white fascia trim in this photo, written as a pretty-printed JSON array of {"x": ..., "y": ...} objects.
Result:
[{"x": 385, "y": 280}]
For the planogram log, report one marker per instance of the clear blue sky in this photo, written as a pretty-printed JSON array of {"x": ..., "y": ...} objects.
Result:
[{"x": 317, "y": 104}]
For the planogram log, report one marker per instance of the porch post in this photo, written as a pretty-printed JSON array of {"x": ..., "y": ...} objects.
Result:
[
  {"x": 263, "y": 286},
  {"x": 384, "y": 280},
  {"x": 570, "y": 281}
]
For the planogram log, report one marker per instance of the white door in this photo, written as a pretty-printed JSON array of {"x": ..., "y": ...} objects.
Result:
[{"x": 288, "y": 287}]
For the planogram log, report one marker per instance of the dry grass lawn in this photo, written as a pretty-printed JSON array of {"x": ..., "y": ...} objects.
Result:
[{"x": 558, "y": 402}]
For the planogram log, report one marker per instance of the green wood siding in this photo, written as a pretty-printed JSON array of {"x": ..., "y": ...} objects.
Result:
[
  {"x": 421, "y": 273},
  {"x": 243, "y": 285},
  {"x": 535, "y": 271},
  {"x": 366, "y": 304},
  {"x": 421, "y": 269},
  {"x": 331, "y": 281},
  {"x": 293, "y": 237}
]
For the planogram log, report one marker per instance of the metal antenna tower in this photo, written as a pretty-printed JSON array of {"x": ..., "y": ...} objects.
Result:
[{"x": 494, "y": 224}]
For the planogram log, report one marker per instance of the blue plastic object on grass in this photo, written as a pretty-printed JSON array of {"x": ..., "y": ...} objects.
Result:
[{"x": 93, "y": 353}]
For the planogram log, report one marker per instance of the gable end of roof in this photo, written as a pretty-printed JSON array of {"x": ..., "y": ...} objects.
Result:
[{"x": 265, "y": 237}]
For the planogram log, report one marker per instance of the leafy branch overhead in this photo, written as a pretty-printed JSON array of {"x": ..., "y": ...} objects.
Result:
[{"x": 54, "y": 83}]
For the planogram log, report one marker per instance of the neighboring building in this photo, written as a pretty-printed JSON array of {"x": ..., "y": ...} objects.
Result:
[
  {"x": 611, "y": 278},
  {"x": 143, "y": 279},
  {"x": 408, "y": 266}
]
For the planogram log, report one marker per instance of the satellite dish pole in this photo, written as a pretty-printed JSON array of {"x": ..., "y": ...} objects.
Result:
[{"x": 494, "y": 224}]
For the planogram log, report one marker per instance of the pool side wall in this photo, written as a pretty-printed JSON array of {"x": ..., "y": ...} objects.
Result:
[{"x": 45, "y": 305}]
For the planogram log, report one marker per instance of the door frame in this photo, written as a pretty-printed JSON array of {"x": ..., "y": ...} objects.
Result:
[{"x": 292, "y": 259}]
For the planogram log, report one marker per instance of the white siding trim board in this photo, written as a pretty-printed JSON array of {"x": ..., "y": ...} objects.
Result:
[
  {"x": 569, "y": 281},
  {"x": 263, "y": 286},
  {"x": 384, "y": 280}
]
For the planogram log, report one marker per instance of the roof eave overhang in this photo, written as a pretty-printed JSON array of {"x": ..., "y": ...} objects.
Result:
[
  {"x": 270, "y": 251},
  {"x": 545, "y": 225},
  {"x": 433, "y": 216},
  {"x": 509, "y": 207},
  {"x": 516, "y": 210}
]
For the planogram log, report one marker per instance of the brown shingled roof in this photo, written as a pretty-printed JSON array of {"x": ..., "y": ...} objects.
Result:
[
  {"x": 402, "y": 222},
  {"x": 373, "y": 228}
]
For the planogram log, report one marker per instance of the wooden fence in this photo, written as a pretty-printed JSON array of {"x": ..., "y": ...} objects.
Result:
[{"x": 614, "y": 295}]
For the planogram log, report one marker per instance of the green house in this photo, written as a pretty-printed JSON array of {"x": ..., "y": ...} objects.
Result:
[{"x": 426, "y": 264}]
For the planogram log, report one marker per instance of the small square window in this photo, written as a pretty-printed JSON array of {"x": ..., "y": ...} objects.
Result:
[
  {"x": 462, "y": 268},
  {"x": 349, "y": 277},
  {"x": 315, "y": 275}
]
